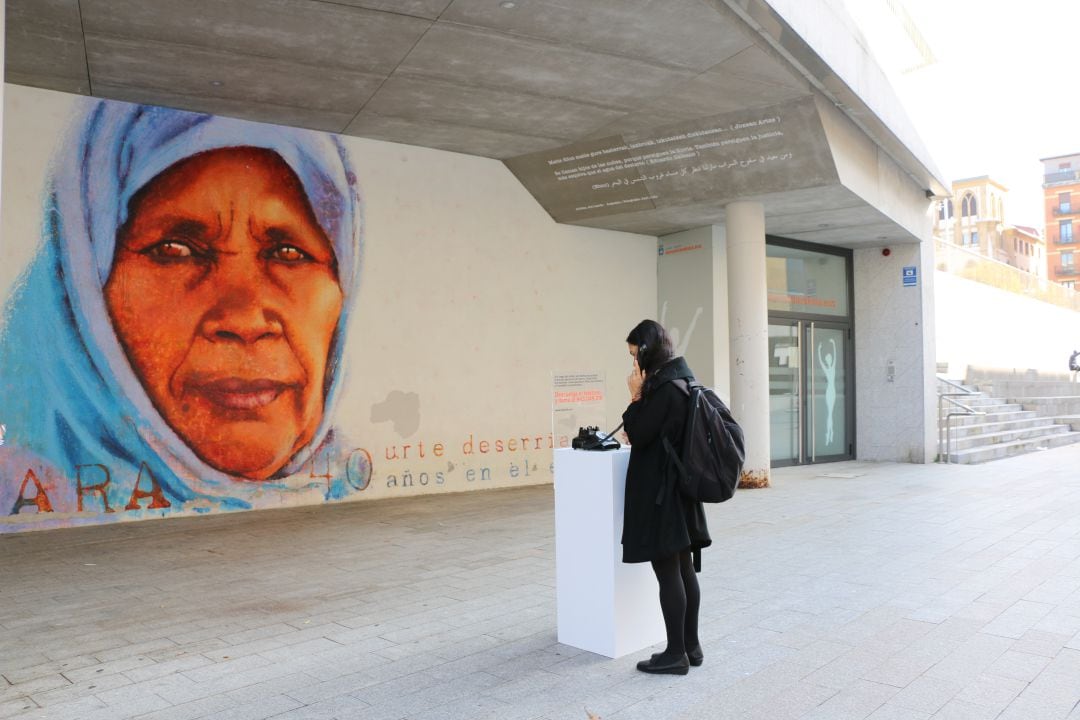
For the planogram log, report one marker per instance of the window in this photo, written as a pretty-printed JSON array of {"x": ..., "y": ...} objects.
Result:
[
  {"x": 1068, "y": 283},
  {"x": 968, "y": 207},
  {"x": 965, "y": 239},
  {"x": 974, "y": 237},
  {"x": 945, "y": 210},
  {"x": 1065, "y": 228},
  {"x": 1064, "y": 202},
  {"x": 802, "y": 280},
  {"x": 1067, "y": 261}
]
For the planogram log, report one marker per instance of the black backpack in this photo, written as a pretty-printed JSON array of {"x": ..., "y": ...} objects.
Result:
[{"x": 713, "y": 450}]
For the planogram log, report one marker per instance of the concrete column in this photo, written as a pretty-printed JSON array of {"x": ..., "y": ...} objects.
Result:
[{"x": 748, "y": 328}]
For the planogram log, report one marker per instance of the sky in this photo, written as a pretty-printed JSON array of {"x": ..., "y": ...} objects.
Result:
[{"x": 1001, "y": 94}]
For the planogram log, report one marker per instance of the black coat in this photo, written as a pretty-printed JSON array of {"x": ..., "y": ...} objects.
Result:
[{"x": 658, "y": 521}]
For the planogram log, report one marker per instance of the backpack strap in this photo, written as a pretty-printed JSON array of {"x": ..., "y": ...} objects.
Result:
[
  {"x": 684, "y": 386},
  {"x": 672, "y": 456}
]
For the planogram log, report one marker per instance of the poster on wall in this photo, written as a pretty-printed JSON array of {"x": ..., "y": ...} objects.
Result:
[
  {"x": 577, "y": 401},
  {"x": 176, "y": 341}
]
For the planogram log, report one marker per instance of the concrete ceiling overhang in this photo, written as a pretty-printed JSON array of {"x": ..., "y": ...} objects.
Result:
[{"x": 475, "y": 77}]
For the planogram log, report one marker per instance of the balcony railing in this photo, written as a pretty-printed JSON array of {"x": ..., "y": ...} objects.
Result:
[
  {"x": 1066, "y": 210},
  {"x": 1070, "y": 240},
  {"x": 1059, "y": 177},
  {"x": 1067, "y": 270}
]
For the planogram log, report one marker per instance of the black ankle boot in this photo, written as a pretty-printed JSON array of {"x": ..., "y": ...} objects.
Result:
[
  {"x": 695, "y": 656},
  {"x": 661, "y": 664}
]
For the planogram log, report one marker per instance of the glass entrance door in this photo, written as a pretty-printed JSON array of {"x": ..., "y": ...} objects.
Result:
[
  {"x": 785, "y": 393},
  {"x": 827, "y": 397},
  {"x": 810, "y": 408}
]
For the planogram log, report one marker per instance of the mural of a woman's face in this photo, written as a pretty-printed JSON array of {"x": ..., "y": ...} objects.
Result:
[{"x": 225, "y": 296}]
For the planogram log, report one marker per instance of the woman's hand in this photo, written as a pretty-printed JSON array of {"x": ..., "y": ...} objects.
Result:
[{"x": 634, "y": 382}]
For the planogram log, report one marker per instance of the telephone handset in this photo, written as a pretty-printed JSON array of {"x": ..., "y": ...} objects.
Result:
[{"x": 590, "y": 438}]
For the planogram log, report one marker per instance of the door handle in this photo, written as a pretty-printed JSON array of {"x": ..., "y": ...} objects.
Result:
[{"x": 799, "y": 430}]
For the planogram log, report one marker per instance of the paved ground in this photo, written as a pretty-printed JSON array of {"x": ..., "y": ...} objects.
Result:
[{"x": 853, "y": 590}]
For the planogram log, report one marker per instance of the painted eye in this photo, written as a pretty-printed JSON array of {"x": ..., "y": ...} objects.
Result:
[
  {"x": 289, "y": 253},
  {"x": 170, "y": 249}
]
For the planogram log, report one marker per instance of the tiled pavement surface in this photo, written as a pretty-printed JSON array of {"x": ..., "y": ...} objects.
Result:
[{"x": 853, "y": 590}]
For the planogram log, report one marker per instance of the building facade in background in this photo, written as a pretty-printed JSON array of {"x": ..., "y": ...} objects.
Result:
[
  {"x": 1027, "y": 249},
  {"x": 1061, "y": 193},
  {"x": 974, "y": 218}
]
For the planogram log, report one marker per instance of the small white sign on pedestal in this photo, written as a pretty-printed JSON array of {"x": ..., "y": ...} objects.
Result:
[{"x": 604, "y": 605}]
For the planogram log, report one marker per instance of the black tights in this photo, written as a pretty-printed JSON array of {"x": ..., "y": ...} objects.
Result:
[{"x": 680, "y": 600}]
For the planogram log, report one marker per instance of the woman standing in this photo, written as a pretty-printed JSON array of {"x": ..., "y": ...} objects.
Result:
[{"x": 660, "y": 526}]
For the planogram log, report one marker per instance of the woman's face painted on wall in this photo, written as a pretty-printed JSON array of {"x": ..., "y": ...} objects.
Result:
[{"x": 224, "y": 294}]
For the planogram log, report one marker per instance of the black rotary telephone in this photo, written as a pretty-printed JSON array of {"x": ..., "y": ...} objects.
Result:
[{"x": 589, "y": 438}]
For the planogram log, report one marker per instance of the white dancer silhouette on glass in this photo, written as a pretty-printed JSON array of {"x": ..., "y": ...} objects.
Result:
[{"x": 827, "y": 361}]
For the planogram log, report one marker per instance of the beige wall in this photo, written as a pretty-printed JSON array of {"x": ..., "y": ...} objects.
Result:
[
  {"x": 471, "y": 296},
  {"x": 983, "y": 326}
]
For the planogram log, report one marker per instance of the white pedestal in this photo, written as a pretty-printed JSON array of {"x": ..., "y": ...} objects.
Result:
[{"x": 604, "y": 605}]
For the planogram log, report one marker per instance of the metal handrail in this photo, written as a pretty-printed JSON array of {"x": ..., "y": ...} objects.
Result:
[
  {"x": 963, "y": 390},
  {"x": 948, "y": 397}
]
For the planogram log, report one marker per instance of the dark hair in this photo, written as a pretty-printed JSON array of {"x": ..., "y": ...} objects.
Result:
[{"x": 654, "y": 348}]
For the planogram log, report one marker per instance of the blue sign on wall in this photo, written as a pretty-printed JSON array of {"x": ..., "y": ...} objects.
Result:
[{"x": 911, "y": 276}]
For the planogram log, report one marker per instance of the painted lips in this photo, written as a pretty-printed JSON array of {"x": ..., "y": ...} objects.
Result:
[{"x": 239, "y": 394}]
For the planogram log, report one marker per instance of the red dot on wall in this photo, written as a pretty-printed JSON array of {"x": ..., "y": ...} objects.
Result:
[{"x": 886, "y": 252}]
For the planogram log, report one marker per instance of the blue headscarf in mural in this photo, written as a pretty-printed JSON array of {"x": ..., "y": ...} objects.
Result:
[{"x": 70, "y": 396}]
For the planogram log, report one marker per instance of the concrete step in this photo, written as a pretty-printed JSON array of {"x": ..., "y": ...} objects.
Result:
[
  {"x": 998, "y": 451},
  {"x": 1015, "y": 414},
  {"x": 979, "y": 400},
  {"x": 965, "y": 420},
  {"x": 977, "y": 374},
  {"x": 993, "y": 405},
  {"x": 1029, "y": 389},
  {"x": 1072, "y": 421},
  {"x": 1063, "y": 405},
  {"x": 978, "y": 428},
  {"x": 1006, "y": 436}
]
